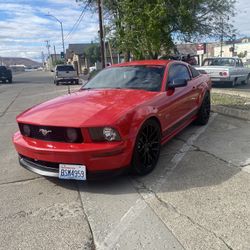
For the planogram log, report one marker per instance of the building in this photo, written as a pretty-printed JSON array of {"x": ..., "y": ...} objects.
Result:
[
  {"x": 52, "y": 60},
  {"x": 240, "y": 49},
  {"x": 77, "y": 55}
]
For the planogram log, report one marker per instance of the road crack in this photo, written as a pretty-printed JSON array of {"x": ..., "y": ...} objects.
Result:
[
  {"x": 5, "y": 111},
  {"x": 198, "y": 149},
  {"x": 92, "y": 239},
  {"x": 21, "y": 181}
]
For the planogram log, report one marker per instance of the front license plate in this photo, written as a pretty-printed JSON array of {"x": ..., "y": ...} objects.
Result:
[{"x": 72, "y": 172}]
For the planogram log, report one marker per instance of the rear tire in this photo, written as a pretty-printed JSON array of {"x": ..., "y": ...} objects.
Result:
[
  {"x": 204, "y": 111},
  {"x": 233, "y": 83},
  {"x": 246, "y": 81},
  {"x": 10, "y": 80},
  {"x": 147, "y": 148}
]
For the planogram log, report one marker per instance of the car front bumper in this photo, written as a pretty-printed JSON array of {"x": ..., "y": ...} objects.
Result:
[{"x": 44, "y": 157}]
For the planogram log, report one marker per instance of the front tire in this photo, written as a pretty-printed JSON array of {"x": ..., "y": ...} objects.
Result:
[
  {"x": 147, "y": 148},
  {"x": 233, "y": 83},
  {"x": 204, "y": 111},
  {"x": 10, "y": 80},
  {"x": 246, "y": 81}
]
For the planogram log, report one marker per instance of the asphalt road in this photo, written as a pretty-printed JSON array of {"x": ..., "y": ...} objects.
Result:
[{"x": 198, "y": 197}]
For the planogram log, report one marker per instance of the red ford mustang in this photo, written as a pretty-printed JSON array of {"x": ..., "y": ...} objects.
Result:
[{"x": 119, "y": 119}]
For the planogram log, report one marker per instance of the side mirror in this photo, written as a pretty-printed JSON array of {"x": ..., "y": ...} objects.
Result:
[{"x": 177, "y": 83}]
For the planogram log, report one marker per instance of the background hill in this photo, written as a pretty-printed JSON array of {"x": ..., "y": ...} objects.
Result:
[{"x": 19, "y": 61}]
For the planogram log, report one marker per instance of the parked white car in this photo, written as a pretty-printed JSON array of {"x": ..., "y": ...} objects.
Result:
[
  {"x": 226, "y": 70},
  {"x": 65, "y": 73}
]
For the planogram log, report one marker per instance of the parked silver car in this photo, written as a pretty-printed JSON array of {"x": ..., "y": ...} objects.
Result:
[{"x": 226, "y": 70}]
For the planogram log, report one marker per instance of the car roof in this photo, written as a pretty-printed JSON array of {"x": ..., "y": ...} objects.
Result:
[
  {"x": 143, "y": 62},
  {"x": 223, "y": 57}
]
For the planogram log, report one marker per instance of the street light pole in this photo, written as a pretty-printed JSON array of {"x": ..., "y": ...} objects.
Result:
[{"x": 61, "y": 24}]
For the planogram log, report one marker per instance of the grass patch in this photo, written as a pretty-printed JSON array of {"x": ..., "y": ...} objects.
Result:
[{"x": 231, "y": 101}]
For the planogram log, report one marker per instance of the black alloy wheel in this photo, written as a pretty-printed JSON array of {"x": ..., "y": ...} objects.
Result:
[
  {"x": 147, "y": 148},
  {"x": 204, "y": 112}
]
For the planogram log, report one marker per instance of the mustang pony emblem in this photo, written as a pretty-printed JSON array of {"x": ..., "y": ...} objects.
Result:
[{"x": 44, "y": 131}]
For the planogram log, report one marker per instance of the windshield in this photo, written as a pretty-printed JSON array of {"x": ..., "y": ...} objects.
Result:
[
  {"x": 65, "y": 68},
  {"x": 3, "y": 68},
  {"x": 130, "y": 77},
  {"x": 219, "y": 62}
]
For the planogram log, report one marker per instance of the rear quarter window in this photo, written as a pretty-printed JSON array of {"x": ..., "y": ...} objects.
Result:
[{"x": 194, "y": 72}]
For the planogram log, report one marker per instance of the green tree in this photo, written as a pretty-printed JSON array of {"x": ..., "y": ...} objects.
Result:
[
  {"x": 56, "y": 62},
  {"x": 145, "y": 28},
  {"x": 93, "y": 54}
]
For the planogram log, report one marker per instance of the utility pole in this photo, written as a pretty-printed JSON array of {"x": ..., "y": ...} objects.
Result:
[
  {"x": 48, "y": 46},
  {"x": 222, "y": 36},
  {"x": 101, "y": 33},
  {"x": 55, "y": 52},
  {"x": 43, "y": 61},
  {"x": 49, "y": 56}
]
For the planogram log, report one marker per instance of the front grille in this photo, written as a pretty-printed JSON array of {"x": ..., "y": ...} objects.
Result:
[{"x": 50, "y": 133}]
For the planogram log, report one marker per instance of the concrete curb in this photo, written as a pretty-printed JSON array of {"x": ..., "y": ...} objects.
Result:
[
  {"x": 237, "y": 113},
  {"x": 240, "y": 93}
]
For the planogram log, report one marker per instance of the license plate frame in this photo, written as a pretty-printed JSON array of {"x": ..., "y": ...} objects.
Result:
[{"x": 72, "y": 172}]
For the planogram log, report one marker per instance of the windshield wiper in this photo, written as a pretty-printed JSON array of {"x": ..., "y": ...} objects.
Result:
[{"x": 86, "y": 88}]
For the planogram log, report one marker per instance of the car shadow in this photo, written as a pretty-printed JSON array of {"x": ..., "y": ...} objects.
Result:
[{"x": 196, "y": 169}]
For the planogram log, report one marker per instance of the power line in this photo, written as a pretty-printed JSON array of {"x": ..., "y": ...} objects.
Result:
[{"x": 78, "y": 21}]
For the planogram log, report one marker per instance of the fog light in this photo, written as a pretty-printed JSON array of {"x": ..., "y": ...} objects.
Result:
[
  {"x": 26, "y": 130},
  {"x": 71, "y": 135}
]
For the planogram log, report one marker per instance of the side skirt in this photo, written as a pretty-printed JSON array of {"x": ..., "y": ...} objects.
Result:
[{"x": 178, "y": 127}]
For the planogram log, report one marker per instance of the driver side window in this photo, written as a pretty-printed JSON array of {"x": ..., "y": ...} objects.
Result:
[{"x": 178, "y": 71}]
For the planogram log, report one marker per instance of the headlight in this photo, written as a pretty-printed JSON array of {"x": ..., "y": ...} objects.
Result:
[
  {"x": 71, "y": 135},
  {"x": 26, "y": 130},
  {"x": 104, "y": 134}
]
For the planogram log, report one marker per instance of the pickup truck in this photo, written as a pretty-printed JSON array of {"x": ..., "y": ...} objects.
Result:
[
  {"x": 226, "y": 70},
  {"x": 5, "y": 74},
  {"x": 65, "y": 73}
]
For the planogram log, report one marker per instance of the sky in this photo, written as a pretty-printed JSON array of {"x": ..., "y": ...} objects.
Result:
[{"x": 25, "y": 26}]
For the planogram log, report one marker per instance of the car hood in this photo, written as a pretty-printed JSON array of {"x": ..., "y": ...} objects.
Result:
[{"x": 85, "y": 108}]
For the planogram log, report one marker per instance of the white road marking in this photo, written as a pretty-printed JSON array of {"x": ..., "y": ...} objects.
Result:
[
  {"x": 246, "y": 169},
  {"x": 113, "y": 237},
  {"x": 125, "y": 222}
]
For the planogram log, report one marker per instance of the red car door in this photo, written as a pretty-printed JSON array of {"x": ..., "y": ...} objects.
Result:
[{"x": 179, "y": 103}]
